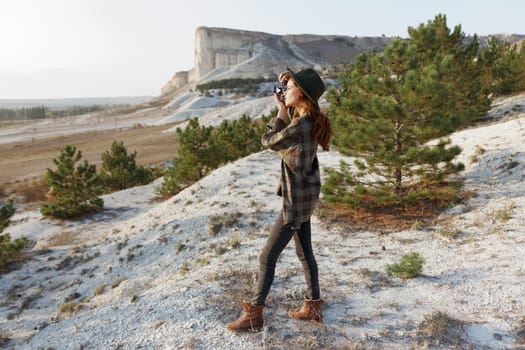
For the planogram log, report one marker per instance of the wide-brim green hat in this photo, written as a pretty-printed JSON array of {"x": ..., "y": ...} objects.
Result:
[{"x": 310, "y": 84}]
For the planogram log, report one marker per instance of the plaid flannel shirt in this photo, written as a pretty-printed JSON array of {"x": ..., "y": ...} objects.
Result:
[{"x": 300, "y": 182}]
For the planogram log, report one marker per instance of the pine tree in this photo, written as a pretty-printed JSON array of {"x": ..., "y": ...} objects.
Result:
[
  {"x": 237, "y": 139},
  {"x": 6, "y": 211},
  {"x": 74, "y": 190},
  {"x": 391, "y": 105},
  {"x": 503, "y": 67},
  {"x": 202, "y": 149},
  {"x": 120, "y": 170},
  {"x": 10, "y": 250},
  {"x": 198, "y": 155}
]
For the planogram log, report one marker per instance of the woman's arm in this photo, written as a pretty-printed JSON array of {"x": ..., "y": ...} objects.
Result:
[{"x": 281, "y": 136}]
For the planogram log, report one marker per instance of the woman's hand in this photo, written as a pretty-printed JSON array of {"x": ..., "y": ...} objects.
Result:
[
  {"x": 283, "y": 79},
  {"x": 282, "y": 107}
]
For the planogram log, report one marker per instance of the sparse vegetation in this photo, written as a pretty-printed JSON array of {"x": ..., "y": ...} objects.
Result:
[
  {"x": 512, "y": 164},
  {"x": 478, "y": 152},
  {"x": 505, "y": 213},
  {"x": 217, "y": 222},
  {"x": 450, "y": 233},
  {"x": 201, "y": 261},
  {"x": 118, "y": 281},
  {"x": 410, "y": 266},
  {"x": 520, "y": 331},
  {"x": 235, "y": 242},
  {"x": 363, "y": 272},
  {"x": 4, "y": 337},
  {"x": 29, "y": 191},
  {"x": 99, "y": 290},
  {"x": 184, "y": 268},
  {"x": 439, "y": 328},
  {"x": 69, "y": 308}
]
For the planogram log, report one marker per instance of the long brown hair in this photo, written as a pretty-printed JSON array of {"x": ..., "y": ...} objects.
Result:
[{"x": 322, "y": 131}]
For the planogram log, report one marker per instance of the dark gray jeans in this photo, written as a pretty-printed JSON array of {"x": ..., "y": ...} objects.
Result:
[{"x": 277, "y": 241}]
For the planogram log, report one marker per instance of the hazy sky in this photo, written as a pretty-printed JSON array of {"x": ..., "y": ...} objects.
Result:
[{"x": 99, "y": 48}]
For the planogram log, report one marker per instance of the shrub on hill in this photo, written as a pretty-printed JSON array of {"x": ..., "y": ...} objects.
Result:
[
  {"x": 73, "y": 190},
  {"x": 9, "y": 250},
  {"x": 410, "y": 266},
  {"x": 120, "y": 170},
  {"x": 6, "y": 211}
]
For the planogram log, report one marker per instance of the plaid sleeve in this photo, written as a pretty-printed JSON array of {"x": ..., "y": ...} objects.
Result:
[{"x": 281, "y": 136}]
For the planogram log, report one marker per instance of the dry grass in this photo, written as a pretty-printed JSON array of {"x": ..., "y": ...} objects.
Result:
[
  {"x": 29, "y": 191},
  {"x": 520, "y": 332},
  {"x": 118, "y": 281},
  {"x": 386, "y": 219},
  {"x": 69, "y": 308},
  {"x": 27, "y": 161},
  {"x": 505, "y": 214},
  {"x": 99, "y": 290},
  {"x": 438, "y": 328},
  {"x": 64, "y": 238},
  {"x": 383, "y": 221}
]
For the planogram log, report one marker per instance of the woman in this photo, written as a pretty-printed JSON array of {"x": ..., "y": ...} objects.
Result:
[{"x": 299, "y": 187}]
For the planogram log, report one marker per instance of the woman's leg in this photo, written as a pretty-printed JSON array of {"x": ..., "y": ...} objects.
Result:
[
  {"x": 303, "y": 248},
  {"x": 277, "y": 241}
]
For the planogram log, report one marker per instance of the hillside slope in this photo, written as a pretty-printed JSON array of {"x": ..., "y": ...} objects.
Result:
[{"x": 143, "y": 274}]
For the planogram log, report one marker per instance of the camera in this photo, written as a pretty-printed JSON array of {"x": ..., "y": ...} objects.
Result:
[{"x": 279, "y": 90}]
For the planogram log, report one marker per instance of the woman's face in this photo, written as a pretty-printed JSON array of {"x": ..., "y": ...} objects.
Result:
[{"x": 292, "y": 94}]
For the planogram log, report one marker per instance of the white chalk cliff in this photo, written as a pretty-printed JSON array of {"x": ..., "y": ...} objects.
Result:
[{"x": 222, "y": 53}]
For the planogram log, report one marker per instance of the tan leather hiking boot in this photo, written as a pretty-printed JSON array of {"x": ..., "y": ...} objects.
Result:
[
  {"x": 251, "y": 318},
  {"x": 311, "y": 310}
]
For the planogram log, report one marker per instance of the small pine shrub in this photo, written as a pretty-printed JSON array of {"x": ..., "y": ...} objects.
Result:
[
  {"x": 10, "y": 250},
  {"x": 6, "y": 211},
  {"x": 410, "y": 265},
  {"x": 74, "y": 191},
  {"x": 120, "y": 171}
]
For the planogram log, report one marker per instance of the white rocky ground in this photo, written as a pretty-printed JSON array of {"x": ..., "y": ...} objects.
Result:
[{"x": 145, "y": 274}]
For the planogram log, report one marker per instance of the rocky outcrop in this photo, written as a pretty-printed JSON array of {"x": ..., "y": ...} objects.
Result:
[
  {"x": 217, "y": 48},
  {"x": 179, "y": 80},
  {"x": 222, "y": 53}
]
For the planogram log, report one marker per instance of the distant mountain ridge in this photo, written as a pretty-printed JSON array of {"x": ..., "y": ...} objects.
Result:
[{"x": 223, "y": 53}]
